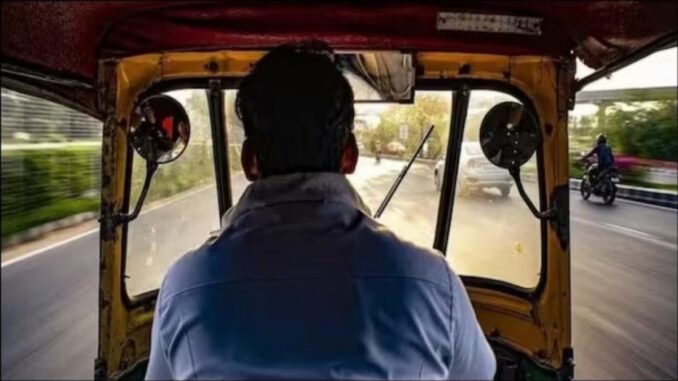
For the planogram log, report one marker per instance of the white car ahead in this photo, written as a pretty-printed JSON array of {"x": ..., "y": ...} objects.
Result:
[{"x": 475, "y": 172}]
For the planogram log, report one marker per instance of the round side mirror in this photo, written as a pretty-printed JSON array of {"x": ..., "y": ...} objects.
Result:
[
  {"x": 509, "y": 135},
  {"x": 160, "y": 129}
]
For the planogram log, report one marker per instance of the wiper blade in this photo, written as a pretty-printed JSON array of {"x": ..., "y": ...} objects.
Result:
[{"x": 402, "y": 174}]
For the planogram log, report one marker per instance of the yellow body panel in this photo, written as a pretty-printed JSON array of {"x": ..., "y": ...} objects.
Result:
[{"x": 539, "y": 328}]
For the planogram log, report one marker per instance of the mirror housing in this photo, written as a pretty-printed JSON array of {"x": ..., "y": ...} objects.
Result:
[
  {"x": 159, "y": 132},
  {"x": 509, "y": 137},
  {"x": 159, "y": 129}
]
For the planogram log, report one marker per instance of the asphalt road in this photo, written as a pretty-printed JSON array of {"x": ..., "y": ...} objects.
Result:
[{"x": 623, "y": 273}]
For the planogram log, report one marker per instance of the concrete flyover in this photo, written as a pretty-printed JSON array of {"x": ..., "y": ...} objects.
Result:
[
  {"x": 626, "y": 95},
  {"x": 606, "y": 98}
]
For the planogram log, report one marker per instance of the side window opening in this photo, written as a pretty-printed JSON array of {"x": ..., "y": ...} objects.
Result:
[
  {"x": 51, "y": 164},
  {"x": 181, "y": 208},
  {"x": 388, "y": 135},
  {"x": 493, "y": 234}
]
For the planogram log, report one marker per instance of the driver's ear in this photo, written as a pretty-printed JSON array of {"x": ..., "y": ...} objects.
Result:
[
  {"x": 349, "y": 156},
  {"x": 248, "y": 159}
]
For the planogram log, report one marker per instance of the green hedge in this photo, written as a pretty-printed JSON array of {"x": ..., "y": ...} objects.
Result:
[
  {"x": 634, "y": 176},
  {"x": 41, "y": 185},
  {"x": 34, "y": 178},
  {"x": 44, "y": 185},
  {"x": 55, "y": 211},
  {"x": 194, "y": 168}
]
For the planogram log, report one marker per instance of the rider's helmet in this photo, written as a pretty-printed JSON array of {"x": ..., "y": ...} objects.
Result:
[{"x": 601, "y": 139}]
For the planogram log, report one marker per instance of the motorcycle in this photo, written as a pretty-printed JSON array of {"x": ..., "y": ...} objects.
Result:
[{"x": 602, "y": 184}]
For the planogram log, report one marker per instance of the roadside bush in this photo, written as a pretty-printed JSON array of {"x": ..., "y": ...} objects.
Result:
[
  {"x": 33, "y": 178},
  {"x": 47, "y": 213},
  {"x": 648, "y": 133},
  {"x": 193, "y": 169},
  {"x": 43, "y": 185},
  {"x": 634, "y": 176}
]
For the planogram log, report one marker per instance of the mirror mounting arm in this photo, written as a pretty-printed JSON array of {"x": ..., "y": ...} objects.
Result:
[
  {"x": 121, "y": 218},
  {"x": 550, "y": 214}
]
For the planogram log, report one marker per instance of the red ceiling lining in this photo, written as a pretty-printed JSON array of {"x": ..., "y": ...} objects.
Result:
[{"x": 69, "y": 37}]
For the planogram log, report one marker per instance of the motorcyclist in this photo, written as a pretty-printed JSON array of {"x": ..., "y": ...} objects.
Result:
[{"x": 603, "y": 153}]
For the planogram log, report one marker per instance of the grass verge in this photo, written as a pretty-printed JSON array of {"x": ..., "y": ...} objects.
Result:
[{"x": 55, "y": 211}]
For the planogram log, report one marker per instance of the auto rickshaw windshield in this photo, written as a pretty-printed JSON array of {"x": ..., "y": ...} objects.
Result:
[{"x": 484, "y": 242}]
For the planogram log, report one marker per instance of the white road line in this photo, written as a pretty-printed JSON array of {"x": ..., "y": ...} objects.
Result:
[
  {"x": 81, "y": 235},
  {"x": 47, "y": 248},
  {"x": 628, "y": 232}
]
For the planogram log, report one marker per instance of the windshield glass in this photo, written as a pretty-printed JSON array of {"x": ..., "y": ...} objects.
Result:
[
  {"x": 484, "y": 240},
  {"x": 493, "y": 234},
  {"x": 473, "y": 149}
]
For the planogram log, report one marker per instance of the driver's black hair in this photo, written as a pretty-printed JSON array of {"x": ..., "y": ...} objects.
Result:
[{"x": 297, "y": 109}]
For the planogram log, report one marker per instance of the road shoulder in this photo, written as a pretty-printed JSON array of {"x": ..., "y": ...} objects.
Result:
[{"x": 56, "y": 237}]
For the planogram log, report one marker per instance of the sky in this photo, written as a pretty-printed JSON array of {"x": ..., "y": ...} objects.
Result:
[
  {"x": 656, "y": 70},
  {"x": 659, "y": 69}
]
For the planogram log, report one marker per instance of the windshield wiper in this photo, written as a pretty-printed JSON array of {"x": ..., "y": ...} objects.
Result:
[{"x": 402, "y": 174}]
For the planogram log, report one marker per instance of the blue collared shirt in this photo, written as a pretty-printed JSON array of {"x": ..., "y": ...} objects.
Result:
[{"x": 302, "y": 283}]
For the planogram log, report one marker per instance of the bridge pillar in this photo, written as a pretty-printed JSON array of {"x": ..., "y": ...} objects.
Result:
[{"x": 601, "y": 115}]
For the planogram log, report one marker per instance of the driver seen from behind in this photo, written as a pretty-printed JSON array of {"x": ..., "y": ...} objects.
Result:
[{"x": 301, "y": 282}]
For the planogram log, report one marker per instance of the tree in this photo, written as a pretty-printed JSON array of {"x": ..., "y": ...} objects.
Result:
[
  {"x": 647, "y": 132},
  {"x": 198, "y": 113},
  {"x": 427, "y": 109}
]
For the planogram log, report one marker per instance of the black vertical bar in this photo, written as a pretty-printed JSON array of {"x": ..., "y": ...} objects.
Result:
[
  {"x": 460, "y": 101},
  {"x": 215, "y": 100}
]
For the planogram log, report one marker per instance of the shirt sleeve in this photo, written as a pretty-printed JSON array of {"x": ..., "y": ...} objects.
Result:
[
  {"x": 472, "y": 356},
  {"x": 591, "y": 152},
  {"x": 158, "y": 366}
]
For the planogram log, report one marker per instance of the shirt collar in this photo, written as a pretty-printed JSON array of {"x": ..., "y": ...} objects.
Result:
[{"x": 296, "y": 187}]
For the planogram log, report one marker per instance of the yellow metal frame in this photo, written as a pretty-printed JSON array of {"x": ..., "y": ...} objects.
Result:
[{"x": 538, "y": 328}]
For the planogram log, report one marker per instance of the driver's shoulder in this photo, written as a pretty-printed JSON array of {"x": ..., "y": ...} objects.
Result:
[
  {"x": 385, "y": 252},
  {"x": 189, "y": 271}
]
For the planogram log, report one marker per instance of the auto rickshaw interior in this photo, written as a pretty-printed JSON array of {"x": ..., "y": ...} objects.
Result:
[
  {"x": 451, "y": 98},
  {"x": 461, "y": 119}
]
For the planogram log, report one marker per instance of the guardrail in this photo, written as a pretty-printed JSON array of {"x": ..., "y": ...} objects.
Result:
[{"x": 648, "y": 196}]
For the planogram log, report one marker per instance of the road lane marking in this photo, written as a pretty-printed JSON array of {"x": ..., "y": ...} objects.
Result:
[
  {"x": 88, "y": 232},
  {"x": 47, "y": 248},
  {"x": 628, "y": 232}
]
